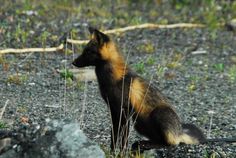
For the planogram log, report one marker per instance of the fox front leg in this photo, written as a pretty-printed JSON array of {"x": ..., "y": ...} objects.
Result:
[{"x": 120, "y": 131}]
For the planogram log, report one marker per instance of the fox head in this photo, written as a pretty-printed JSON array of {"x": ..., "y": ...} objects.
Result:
[{"x": 91, "y": 55}]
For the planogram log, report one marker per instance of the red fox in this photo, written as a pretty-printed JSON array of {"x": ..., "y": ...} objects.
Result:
[{"x": 130, "y": 97}]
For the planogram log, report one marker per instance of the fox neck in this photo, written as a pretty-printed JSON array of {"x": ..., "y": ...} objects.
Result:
[
  {"x": 111, "y": 71},
  {"x": 113, "y": 65}
]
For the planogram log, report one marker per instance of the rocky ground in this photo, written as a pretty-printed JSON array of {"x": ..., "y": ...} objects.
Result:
[{"x": 195, "y": 68}]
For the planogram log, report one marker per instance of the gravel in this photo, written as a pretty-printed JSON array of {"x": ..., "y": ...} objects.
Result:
[{"x": 45, "y": 94}]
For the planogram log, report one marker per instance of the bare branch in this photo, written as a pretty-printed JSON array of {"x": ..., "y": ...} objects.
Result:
[
  {"x": 142, "y": 26},
  {"x": 26, "y": 50}
]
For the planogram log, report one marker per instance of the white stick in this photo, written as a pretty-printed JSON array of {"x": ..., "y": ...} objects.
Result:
[
  {"x": 26, "y": 50},
  {"x": 3, "y": 109},
  {"x": 142, "y": 26}
]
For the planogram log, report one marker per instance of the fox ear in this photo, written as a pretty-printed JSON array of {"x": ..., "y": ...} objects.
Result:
[{"x": 98, "y": 36}]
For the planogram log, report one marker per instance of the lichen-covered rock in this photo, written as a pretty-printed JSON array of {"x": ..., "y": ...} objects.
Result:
[{"x": 57, "y": 140}]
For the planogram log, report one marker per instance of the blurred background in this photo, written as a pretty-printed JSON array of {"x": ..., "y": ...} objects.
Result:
[{"x": 24, "y": 20}]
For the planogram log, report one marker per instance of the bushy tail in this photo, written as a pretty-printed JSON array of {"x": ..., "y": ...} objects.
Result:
[{"x": 192, "y": 134}]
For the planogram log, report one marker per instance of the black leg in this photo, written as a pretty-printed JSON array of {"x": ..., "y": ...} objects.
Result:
[{"x": 120, "y": 131}]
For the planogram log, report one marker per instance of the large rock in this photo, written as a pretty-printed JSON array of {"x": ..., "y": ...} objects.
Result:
[{"x": 57, "y": 140}]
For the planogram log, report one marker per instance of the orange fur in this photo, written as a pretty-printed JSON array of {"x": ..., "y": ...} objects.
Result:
[
  {"x": 109, "y": 52},
  {"x": 137, "y": 98}
]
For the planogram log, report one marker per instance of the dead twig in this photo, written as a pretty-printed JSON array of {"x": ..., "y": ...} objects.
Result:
[
  {"x": 199, "y": 52},
  {"x": 3, "y": 109},
  {"x": 77, "y": 41},
  {"x": 26, "y": 50},
  {"x": 142, "y": 26},
  {"x": 149, "y": 25}
]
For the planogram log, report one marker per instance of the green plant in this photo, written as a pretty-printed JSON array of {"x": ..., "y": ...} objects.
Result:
[
  {"x": 194, "y": 78},
  {"x": 68, "y": 51},
  {"x": 219, "y": 67},
  {"x": 150, "y": 61},
  {"x": 160, "y": 70},
  {"x": 180, "y": 4},
  {"x": 21, "y": 35},
  {"x": 175, "y": 61},
  {"x": 206, "y": 154},
  {"x": 139, "y": 67},
  {"x": 191, "y": 87},
  {"x": 136, "y": 20},
  {"x": 147, "y": 47},
  {"x": 44, "y": 38},
  {"x": 3, "y": 125},
  {"x": 2, "y": 59},
  {"x": 66, "y": 73},
  {"x": 81, "y": 85},
  {"x": 27, "y": 5},
  {"x": 106, "y": 151},
  {"x": 18, "y": 32},
  {"x": 210, "y": 12},
  {"x": 232, "y": 73},
  {"x": 22, "y": 108}
]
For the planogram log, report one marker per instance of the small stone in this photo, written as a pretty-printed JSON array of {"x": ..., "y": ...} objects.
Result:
[
  {"x": 31, "y": 84},
  {"x": 200, "y": 62}
]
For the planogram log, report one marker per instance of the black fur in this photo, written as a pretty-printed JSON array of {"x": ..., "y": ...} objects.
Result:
[{"x": 115, "y": 92}]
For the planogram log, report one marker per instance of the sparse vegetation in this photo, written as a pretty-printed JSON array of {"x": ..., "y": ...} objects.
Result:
[
  {"x": 219, "y": 67},
  {"x": 139, "y": 67},
  {"x": 65, "y": 73},
  {"x": 175, "y": 61},
  {"x": 17, "y": 78},
  {"x": 22, "y": 108},
  {"x": 81, "y": 85},
  {"x": 44, "y": 37},
  {"x": 3, "y": 125},
  {"x": 191, "y": 87},
  {"x": 160, "y": 71},
  {"x": 150, "y": 61},
  {"x": 147, "y": 47},
  {"x": 232, "y": 73}
]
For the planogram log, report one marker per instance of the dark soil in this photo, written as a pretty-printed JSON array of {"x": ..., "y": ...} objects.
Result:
[{"x": 202, "y": 87}]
